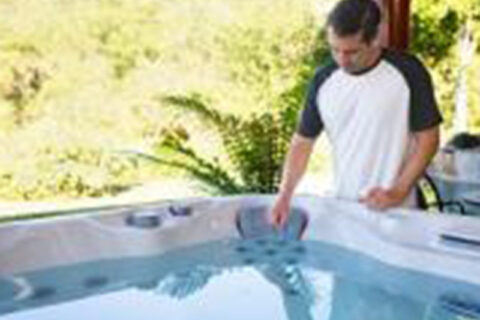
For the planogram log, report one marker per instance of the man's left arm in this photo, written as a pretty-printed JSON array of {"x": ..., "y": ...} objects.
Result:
[
  {"x": 426, "y": 145},
  {"x": 424, "y": 121}
]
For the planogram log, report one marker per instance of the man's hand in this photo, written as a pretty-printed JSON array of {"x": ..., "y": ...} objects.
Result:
[
  {"x": 381, "y": 199},
  {"x": 295, "y": 164},
  {"x": 280, "y": 211},
  {"x": 424, "y": 149}
]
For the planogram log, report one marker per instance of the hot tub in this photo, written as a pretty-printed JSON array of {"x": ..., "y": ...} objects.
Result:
[{"x": 218, "y": 258}]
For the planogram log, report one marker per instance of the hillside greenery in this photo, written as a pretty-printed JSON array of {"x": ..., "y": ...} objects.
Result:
[{"x": 83, "y": 85}]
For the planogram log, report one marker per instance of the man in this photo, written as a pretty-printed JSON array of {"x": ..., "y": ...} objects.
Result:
[{"x": 378, "y": 110}]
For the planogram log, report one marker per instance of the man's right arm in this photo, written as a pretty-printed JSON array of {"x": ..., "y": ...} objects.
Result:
[
  {"x": 295, "y": 165},
  {"x": 310, "y": 125}
]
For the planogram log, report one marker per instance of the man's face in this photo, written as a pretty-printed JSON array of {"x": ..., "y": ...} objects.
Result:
[{"x": 351, "y": 53}]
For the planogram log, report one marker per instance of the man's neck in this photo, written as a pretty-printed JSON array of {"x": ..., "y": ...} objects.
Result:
[
  {"x": 375, "y": 56},
  {"x": 373, "y": 59}
]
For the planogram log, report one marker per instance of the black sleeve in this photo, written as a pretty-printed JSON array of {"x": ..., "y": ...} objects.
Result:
[
  {"x": 424, "y": 112},
  {"x": 310, "y": 123}
]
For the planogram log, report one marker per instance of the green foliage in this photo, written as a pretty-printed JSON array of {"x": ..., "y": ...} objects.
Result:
[
  {"x": 268, "y": 60},
  {"x": 436, "y": 34},
  {"x": 79, "y": 79},
  {"x": 25, "y": 84},
  {"x": 72, "y": 172},
  {"x": 255, "y": 148},
  {"x": 125, "y": 38},
  {"x": 431, "y": 45}
]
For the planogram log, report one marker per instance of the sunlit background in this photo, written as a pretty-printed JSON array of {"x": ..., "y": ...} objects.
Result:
[{"x": 154, "y": 99}]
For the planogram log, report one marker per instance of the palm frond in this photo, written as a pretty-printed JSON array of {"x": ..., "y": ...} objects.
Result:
[
  {"x": 255, "y": 146},
  {"x": 195, "y": 103},
  {"x": 211, "y": 174}
]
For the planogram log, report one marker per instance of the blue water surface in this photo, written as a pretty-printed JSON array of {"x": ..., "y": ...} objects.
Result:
[{"x": 261, "y": 278}]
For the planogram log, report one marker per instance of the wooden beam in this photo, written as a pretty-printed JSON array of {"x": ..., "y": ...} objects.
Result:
[
  {"x": 401, "y": 24},
  {"x": 394, "y": 31}
]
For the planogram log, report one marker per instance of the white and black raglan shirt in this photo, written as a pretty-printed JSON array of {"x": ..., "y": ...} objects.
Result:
[{"x": 369, "y": 119}]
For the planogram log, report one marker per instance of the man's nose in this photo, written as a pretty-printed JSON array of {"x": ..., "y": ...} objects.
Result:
[{"x": 343, "y": 59}]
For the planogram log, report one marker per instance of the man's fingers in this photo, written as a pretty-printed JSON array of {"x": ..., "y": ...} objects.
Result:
[
  {"x": 283, "y": 219},
  {"x": 379, "y": 201},
  {"x": 279, "y": 212},
  {"x": 373, "y": 199},
  {"x": 375, "y": 192},
  {"x": 370, "y": 195},
  {"x": 276, "y": 217},
  {"x": 279, "y": 219}
]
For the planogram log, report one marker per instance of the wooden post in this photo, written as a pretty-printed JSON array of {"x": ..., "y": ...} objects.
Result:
[
  {"x": 399, "y": 24},
  {"x": 402, "y": 22},
  {"x": 394, "y": 31}
]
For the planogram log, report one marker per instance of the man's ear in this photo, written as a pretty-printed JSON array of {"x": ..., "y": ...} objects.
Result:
[{"x": 375, "y": 42}]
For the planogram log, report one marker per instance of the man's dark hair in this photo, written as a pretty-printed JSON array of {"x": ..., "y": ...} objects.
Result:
[{"x": 351, "y": 16}]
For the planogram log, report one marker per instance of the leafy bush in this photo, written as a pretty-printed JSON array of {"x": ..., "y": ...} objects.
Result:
[
  {"x": 78, "y": 81},
  {"x": 74, "y": 172},
  {"x": 255, "y": 147},
  {"x": 427, "y": 41},
  {"x": 435, "y": 37}
]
